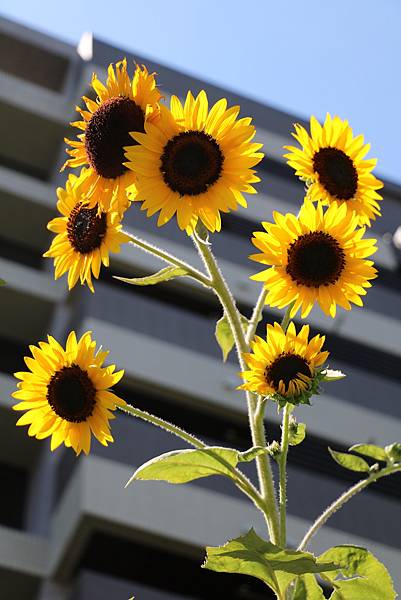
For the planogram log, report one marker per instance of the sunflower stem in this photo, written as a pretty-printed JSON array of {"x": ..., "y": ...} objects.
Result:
[
  {"x": 285, "y": 431},
  {"x": 256, "y": 315},
  {"x": 339, "y": 503},
  {"x": 169, "y": 258},
  {"x": 241, "y": 481},
  {"x": 256, "y": 422},
  {"x": 282, "y": 463}
]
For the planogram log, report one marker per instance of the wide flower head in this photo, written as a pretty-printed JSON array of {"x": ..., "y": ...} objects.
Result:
[
  {"x": 285, "y": 364},
  {"x": 85, "y": 236},
  {"x": 315, "y": 257},
  {"x": 122, "y": 106},
  {"x": 66, "y": 393},
  {"x": 331, "y": 161},
  {"x": 195, "y": 162}
]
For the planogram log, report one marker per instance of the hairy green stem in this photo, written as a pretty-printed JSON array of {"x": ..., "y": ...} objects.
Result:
[
  {"x": 339, "y": 503},
  {"x": 267, "y": 491},
  {"x": 285, "y": 432},
  {"x": 169, "y": 258},
  {"x": 240, "y": 479},
  {"x": 256, "y": 316}
]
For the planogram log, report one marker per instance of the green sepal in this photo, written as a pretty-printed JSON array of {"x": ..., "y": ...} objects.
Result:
[
  {"x": 182, "y": 466},
  {"x": 297, "y": 432},
  {"x": 162, "y": 275},
  {"x": 251, "y": 555},
  {"x": 370, "y": 450},
  {"x": 350, "y": 461},
  {"x": 370, "y": 579},
  {"x": 307, "y": 588},
  {"x": 393, "y": 453}
]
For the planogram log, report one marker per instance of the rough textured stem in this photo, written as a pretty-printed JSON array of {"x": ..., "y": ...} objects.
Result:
[
  {"x": 339, "y": 503},
  {"x": 169, "y": 258},
  {"x": 241, "y": 480},
  {"x": 285, "y": 430},
  {"x": 256, "y": 424},
  {"x": 256, "y": 315},
  {"x": 166, "y": 425}
]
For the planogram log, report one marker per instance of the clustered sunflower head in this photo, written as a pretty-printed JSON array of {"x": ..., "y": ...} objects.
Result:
[
  {"x": 194, "y": 162},
  {"x": 331, "y": 161},
  {"x": 122, "y": 106},
  {"x": 315, "y": 257},
  {"x": 84, "y": 235},
  {"x": 66, "y": 393},
  {"x": 286, "y": 365}
]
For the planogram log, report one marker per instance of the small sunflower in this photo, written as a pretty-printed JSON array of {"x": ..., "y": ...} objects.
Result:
[
  {"x": 331, "y": 161},
  {"x": 66, "y": 393},
  {"x": 315, "y": 257},
  {"x": 85, "y": 236},
  {"x": 285, "y": 364},
  {"x": 195, "y": 162},
  {"x": 122, "y": 106}
]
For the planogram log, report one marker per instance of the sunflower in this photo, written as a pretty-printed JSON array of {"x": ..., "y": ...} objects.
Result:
[
  {"x": 122, "y": 106},
  {"x": 284, "y": 364},
  {"x": 85, "y": 236},
  {"x": 195, "y": 162},
  {"x": 317, "y": 256},
  {"x": 332, "y": 163},
  {"x": 65, "y": 393}
]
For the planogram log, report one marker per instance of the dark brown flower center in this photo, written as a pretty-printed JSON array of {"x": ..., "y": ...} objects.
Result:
[
  {"x": 191, "y": 162},
  {"x": 286, "y": 368},
  {"x": 107, "y": 133},
  {"x": 315, "y": 259},
  {"x": 337, "y": 173},
  {"x": 71, "y": 394},
  {"x": 85, "y": 228}
]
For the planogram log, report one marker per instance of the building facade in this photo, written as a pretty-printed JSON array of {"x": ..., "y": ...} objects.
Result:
[{"x": 68, "y": 528}]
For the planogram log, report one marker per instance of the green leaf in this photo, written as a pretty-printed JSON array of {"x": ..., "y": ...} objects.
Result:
[
  {"x": 370, "y": 579},
  {"x": 2, "y": 282},
  {"x": 181, "y": 466},
  {"x": 251, "y": 454},
  {"x": 393, "y": 452},
  {"x": 250, "y": 555},
  {"x": 244, "y": 323},
  {"x": 224, "y": 336},
  {"x": 349, "y": 461},
  {"x": 297, "y": 433},
  {"x": 370, "y": 450},
  {"x": 307, "y": 588},
  {"x": 162, "y": 275}
]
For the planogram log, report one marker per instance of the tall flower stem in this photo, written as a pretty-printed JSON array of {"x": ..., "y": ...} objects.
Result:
[
  {"x": 339, "y": 503},
  {"x": 282, "y": 463},
  {"x": 239, "y": 478},
  {"x": 255, "y": 404},
  {"x": 256, "y": 315},
  {"x": 285, "y": 430}
]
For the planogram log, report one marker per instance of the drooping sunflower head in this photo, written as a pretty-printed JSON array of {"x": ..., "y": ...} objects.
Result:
[
  {"x": 194, "y": 162},
  {"x": 315, "y": 257},
  {"x": 65, "y": 393},
  {"x": 331, "y": 161},
  {"x": 285, "y": 364},
  {"x": 122, "y": 106},
  {"x": 85, "y": 236}
]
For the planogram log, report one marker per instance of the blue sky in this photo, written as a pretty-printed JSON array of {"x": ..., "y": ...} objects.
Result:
[{"x": 306, "y": 57}]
